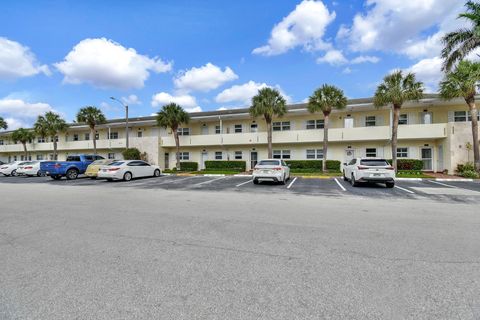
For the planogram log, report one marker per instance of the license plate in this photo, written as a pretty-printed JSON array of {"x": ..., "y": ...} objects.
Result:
[{"x": 377, "y": 174}]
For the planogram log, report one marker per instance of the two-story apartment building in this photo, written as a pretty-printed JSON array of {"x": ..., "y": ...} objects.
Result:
[{"x": 432, "y": 130}]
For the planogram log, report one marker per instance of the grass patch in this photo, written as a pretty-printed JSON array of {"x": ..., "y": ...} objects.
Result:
[{"x": 412, "y": 174}]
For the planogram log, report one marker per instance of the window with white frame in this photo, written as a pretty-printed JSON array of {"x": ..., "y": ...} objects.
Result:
[
  {"x": 403, "y": 118},
  {"x": 218, "y": 155},
  {"x": 111, "y": 155},
  {"x": 183, "y": 131},
  {"x": 14, "y": 158},
  {"x": 281, "y": 154},
  {"x": 370, "y": 152},
  {"x": 40, "y": 157},
  {"x": 41, "y": 139},
  {"x": 1, "y": 142},
  {"x": 75, "y": 137},
  {"x": 113, "y": 135},
  {"x": 184, "y": 155},
  {"x": 314, "y": 154},
  {"x": 139, "y": 134},
  {"x": 238, "y": 128},
  {"x": 56, "y": 139},
  {"x": 253, "y": 127},
  {"x": 218, "y": 130},
  {"x": 238, "y": 155},
  {"x": 370, "y": 121},
  {"x": 402, "y": 152},
  {"x": 463, "y": 116},
  {"x": 315, "y": 124},
  {"x": 281, "y": 126},
  {"x": 87, "y": 136}
]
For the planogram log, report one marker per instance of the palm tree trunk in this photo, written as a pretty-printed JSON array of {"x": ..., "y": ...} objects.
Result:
[
  {"x": 325, "y": 141},
  {"x": 474, "y": 115},
  {"x": 25, "y": 150},
  {"x": 269, "y": 139},
  {"x": 177, "y": 154},
  {"x": 55, "y": 148},
  {"x": 94, "y": 140},
  {"x": 396, "y": 115}
]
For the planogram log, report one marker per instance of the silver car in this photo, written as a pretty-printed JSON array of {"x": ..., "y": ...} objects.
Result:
[{"x": 271, "y": 169}]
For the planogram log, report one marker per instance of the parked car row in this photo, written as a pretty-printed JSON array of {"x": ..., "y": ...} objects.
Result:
[{"x": 93, "y": 166}]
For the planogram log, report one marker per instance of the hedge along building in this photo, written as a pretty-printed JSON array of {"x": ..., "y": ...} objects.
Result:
[{"x": 432, "y": 130}]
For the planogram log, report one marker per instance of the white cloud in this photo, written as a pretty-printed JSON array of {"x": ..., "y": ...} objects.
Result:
[
  {"x": 243, "y": 93},
  {"x": 305, "y": 26},
  {"x": 107, "y": 64},
  {"x": 17, "y": 61},
  {"x": 333, "y": 57},
  {"x": 131, "y": 100},
  {"x": 394, "y": 25},
  {"x": 204, "y": 78},
  {"x": 364, "y": 59},
  {"x": 429, "y": 71},
  {"x": 188, "y": 102},
  {"x": 19, "y": 113},
  {"x": 347, "y": 70}
]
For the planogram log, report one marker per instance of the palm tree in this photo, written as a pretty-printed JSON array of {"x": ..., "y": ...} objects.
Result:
[
  {"x": 458, "y": 44},
  {"x": 50, "y": 125},
  {"x": 326, "y": 99},
  {"x": 396, "y": 89},
  {"x": 462, "y": 82},
  {"x": 172, "y": 116},
  {"x": 3, "y": 124},
  {"x": 268, "y": 103},
  {"x": 23, "y": 136},
  {"x": 92, "y": 116}
]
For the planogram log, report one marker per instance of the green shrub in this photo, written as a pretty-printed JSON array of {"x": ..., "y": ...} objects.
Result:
[
  {"x": 313, "y": 165},
  {"x": 220, "y": 165},
  {"x": 188, "y": 166},
  {"x": 409, "y": 172},
  {"x": 470, "y": 174},
  {"x": 461, "y": 168},
  {"x": 408, "y": 164},
  {"x": 132, "y": 154}
]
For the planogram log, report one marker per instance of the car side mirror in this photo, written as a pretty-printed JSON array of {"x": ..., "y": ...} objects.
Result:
[{"x": 344, "y": 163}]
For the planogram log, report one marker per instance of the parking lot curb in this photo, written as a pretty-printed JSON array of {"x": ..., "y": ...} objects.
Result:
[
  {"x": 453, "y": 180},
  {"x": 213, "y": 175},
  {"x": 409, "y": 179}
]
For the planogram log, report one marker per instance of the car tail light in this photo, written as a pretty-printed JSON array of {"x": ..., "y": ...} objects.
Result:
[
  {"x": 277, "y": 168},
  {"x": 113, "y": 169},
  {"x": 27, "y": 168},
  {"x": 390, "y": 168},
  {"x": 362, "y": 168},
  {"x": 57, "y": 165}
]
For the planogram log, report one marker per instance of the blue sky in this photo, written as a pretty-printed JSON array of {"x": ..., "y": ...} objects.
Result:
[{"x": 207, "y": 55}]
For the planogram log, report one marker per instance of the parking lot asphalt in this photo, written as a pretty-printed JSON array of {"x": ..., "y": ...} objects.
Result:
[
  {"x": 457, "y": 191},
  {"x": 223, "y": 248}
]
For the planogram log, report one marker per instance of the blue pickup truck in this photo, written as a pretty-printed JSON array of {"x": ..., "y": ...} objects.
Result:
[{"x": 71, "y": 168}]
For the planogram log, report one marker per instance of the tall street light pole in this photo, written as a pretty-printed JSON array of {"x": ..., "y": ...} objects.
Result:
[{"x": 126, "y": 118}]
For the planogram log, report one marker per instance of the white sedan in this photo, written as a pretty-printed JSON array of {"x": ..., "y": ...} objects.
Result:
[
  {"x": 10, "y": 169},
  {"x": 127, "y": 170},
  {"x": 30, "y": 168},
  {"x": 369, "y": 170},
  {"x": 271, "y": 169}
]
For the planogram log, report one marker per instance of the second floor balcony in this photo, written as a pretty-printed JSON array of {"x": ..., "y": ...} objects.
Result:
[{"x": 379, "y": 133}]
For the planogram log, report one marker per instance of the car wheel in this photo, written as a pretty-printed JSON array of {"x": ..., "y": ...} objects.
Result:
[
  {"x": 127, "y": 176},
  {"x": 344, "y": 177},
  {"x": 72, "y": 174},
  {"x": 14, "y": 173},
  {"x": 353, "y": 181},
  {"x": 255, "y": 181},
  {"x": 156, "y": 173},
  {"x": 390, "y": 184}
]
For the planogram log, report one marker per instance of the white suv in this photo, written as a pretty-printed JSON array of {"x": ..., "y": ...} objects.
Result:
[
  {"x": 369, "y": 170},
  {"x": 271, "y": 169}
]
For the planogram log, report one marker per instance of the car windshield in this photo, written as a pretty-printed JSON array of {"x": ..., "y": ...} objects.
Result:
[
  {"x": 117, "y": 163},
  {"x": 374, "y": 163},
  {"x": 28, "y": 163},
  {"x": 269, "y": 163}
]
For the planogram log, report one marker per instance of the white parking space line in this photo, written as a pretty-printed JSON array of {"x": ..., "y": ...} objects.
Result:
[
  {"x": 443, "y": 184},
  {"x": 241, "y": 184},
  {"x": 291, "y": 183},
  {"x": 207, "y": 182},
  {"x": 403, "y": 189},
  {"x": 339, "y": 184},
  {"x": 177, "y": 180}
]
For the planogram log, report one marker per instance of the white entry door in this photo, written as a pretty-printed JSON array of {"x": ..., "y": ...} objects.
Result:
[{"x": 203, "y": 159}]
